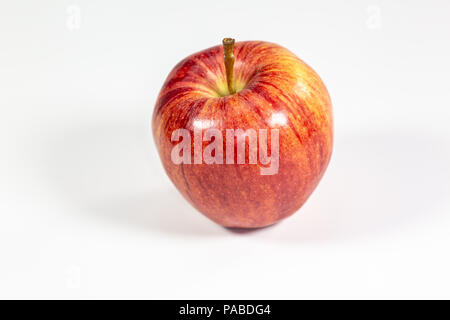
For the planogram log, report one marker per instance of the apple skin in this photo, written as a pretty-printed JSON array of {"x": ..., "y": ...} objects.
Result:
[{"x": 270, "y": 81}]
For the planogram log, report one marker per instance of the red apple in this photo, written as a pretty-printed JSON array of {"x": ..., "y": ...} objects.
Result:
[{"x": 268, "y": 90}]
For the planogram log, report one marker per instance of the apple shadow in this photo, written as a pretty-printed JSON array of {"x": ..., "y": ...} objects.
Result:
[
  {"x": 158, "y": 211},
  {"x": 376, "y": 182},
  {"x": 111, "y": 171},
  {"x": 244, "y": 231}
]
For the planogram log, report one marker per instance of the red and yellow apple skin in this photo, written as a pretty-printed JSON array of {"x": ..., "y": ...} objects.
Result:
[{"x": 269, "y": 80}]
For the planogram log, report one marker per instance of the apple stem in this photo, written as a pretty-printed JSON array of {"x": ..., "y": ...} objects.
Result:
[{"x": 228, "y": 44}]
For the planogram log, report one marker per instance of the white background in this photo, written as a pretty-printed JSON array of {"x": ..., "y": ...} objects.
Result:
[{"x": 86, "y": 210}]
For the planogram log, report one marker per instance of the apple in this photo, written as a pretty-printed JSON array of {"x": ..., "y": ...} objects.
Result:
[{"x": 244, "y": 131}]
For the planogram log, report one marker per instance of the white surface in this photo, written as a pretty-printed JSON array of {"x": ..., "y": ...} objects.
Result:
[{"x": 86, "y": 210}]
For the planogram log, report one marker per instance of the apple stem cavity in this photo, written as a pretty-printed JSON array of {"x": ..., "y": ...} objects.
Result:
[{"x": 228, "y": 44}]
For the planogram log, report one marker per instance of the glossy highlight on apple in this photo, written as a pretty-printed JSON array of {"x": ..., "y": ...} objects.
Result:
[{"x": 237, "y": 151}]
